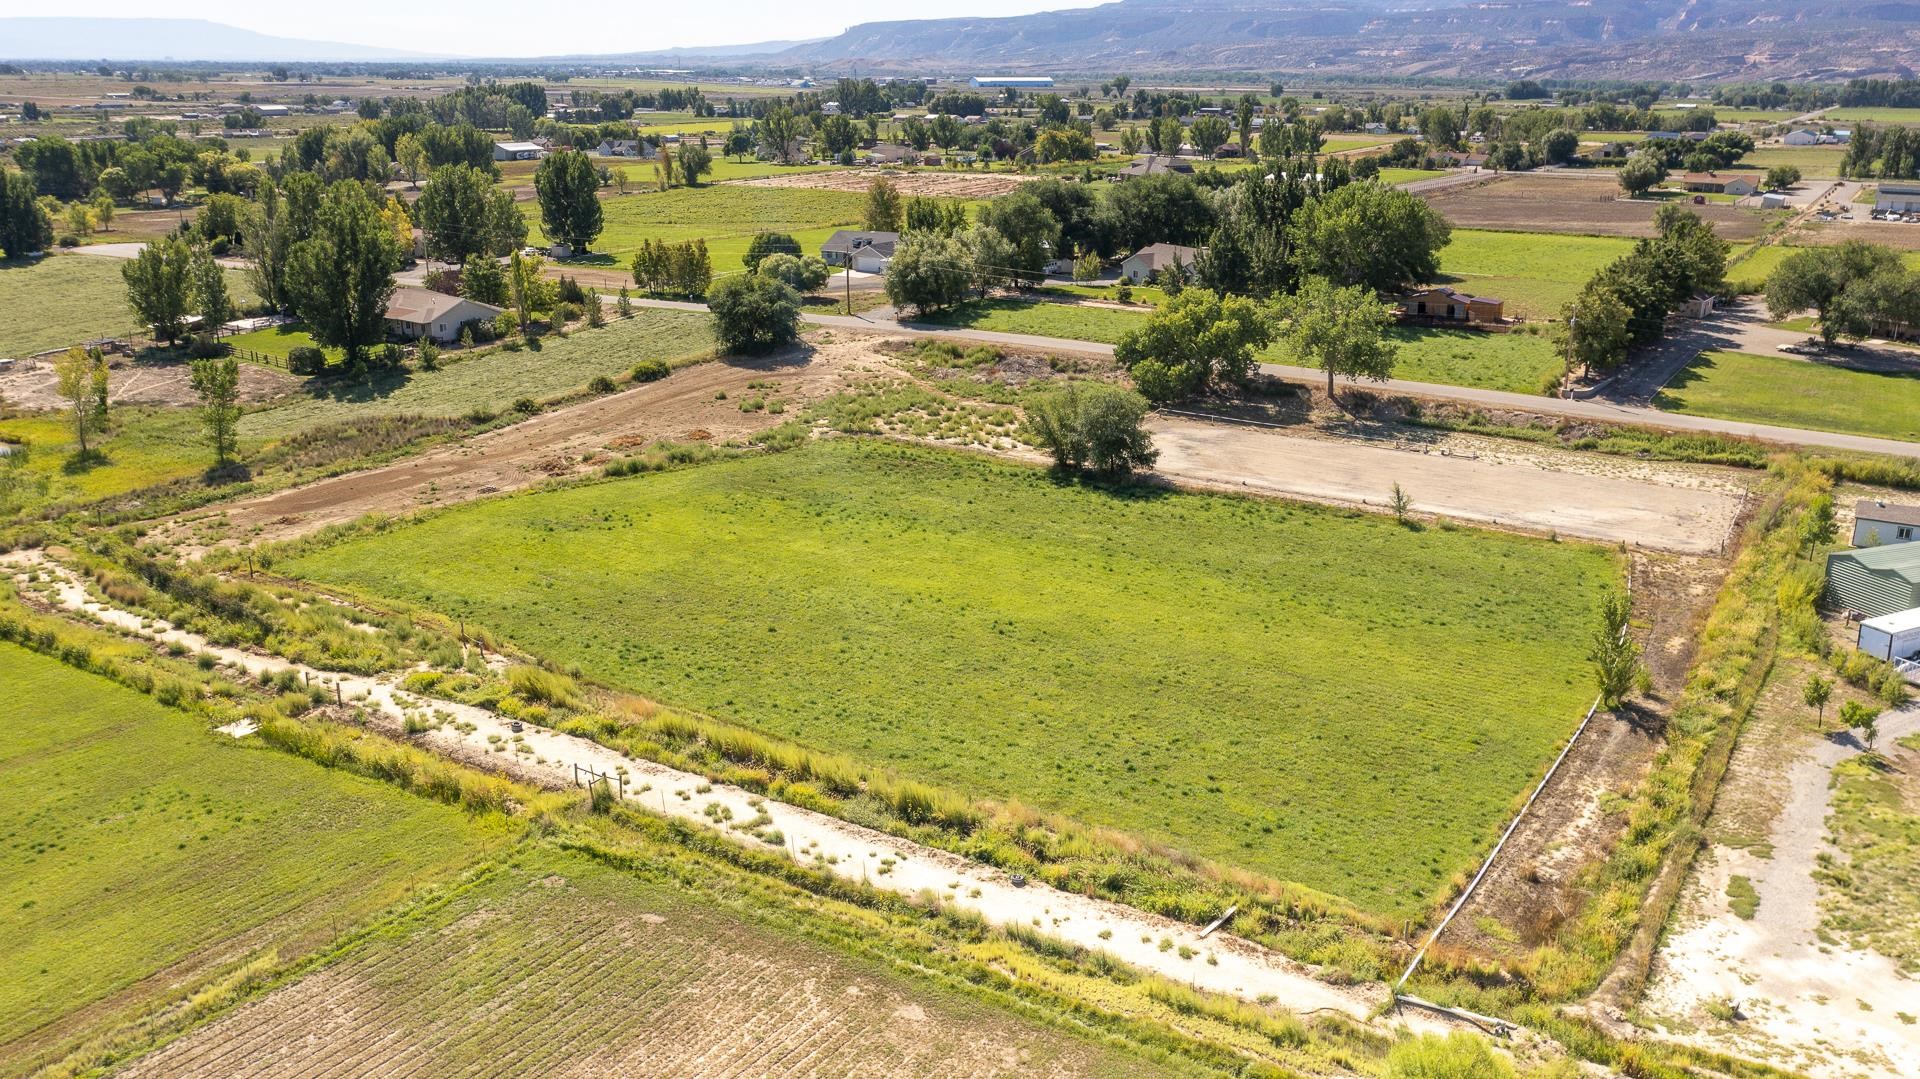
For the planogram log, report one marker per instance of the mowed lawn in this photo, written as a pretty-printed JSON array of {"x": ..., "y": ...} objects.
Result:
[
  {"x": 493, "y": 381},
  {"x": 1536, "y": 274},
  {"x": 1323, "y": 696},
  {"x": 1798, "y": 393},
  {"x": 143, "y": 851},
  {"x": 726, "y": 216}
]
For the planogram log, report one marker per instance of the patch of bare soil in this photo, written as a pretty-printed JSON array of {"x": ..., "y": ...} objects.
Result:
[
  {"x": 960, "y": 185},
  {"x": 1897, "y": 234},
  {"x": 1531, "y": 889},
  {"x": 701, "y": 402},
  {"x": 1560, "y": 203},
  {"x": 29, "y": 385}
]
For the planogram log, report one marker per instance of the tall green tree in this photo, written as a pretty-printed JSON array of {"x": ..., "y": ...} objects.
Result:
[
  {"x": 929, "y": 272},
  {"x": 1208, "y": 134},
  {"x": 463, "y": 214},
  {"x": 80, "y": 378},
  {"x": 24, "y": 225},
  {"x": 753, "y": 313},
  {"x": 1595, "y": 329},
  {"x": 216, "y": 380},
  {"x": 1342, "y": 331},
  {"x": 1827, "y": 279},
  {"x": 208, "y": 285},
  {"x": 1641, "y": 171},
  {"x": 1372, "y": 235},
  {"x": 341, "y": 277},
  {"x": 1032, "y": 229},
  {"x": 883, "y": 212},
  {"x": 1615, "y": 655},
  {"x": 569, "y": 190},
  {"x": 695, "y": 161},
  {"x": 482, "y": 282},
  {"x": 160, "y": 283}
]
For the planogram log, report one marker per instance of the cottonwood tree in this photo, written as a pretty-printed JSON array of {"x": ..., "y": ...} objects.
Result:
[
  {"x": 695, "y": 161},
  {"x": 217, "y": 383},
  {"x": 1342, "y": 331},
  {"x": 80, "y": 378},
  {"x": 1642, "y": 171},
  {"x": 1092, "y": 426},
  {"x": 569, "y": 194},
  {"x": 929, "y": 272},
  {"x": 482, "y": 282},
  {"x": 1369, "y": 234},
  {"x": 752, "y": 313},
  {"x": 208, "y": 285},
  {"x": 160, "y": 286},
  {"x": 883, "y": 211},
  {"x": 411, "y": 156},
  {"x": 803, "y": 275},
  {"x": 1195, "y": 340},
  {"x": 1208, "y": 134},
  {"x": 1615, "y": 655},
  {"x": 768, "y": 243},
  {"x": 463, "y": 214},
  {"x": 1837, "y": 282},
  {"x": 341, "y": 277},
  {"x": 1595, "y": 330}
]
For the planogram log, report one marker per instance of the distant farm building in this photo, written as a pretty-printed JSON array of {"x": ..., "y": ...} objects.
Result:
[
  {"x": 1876, "y": 523},
  {"x": 1440, "y": 304},
  {"x": 867, "y": 252},
  {"x": 1898, "y": 198},
  {"x": 1017, "y": 82},
  {"x": 414, "y": 313},
  {"x": 1157, "y": 258},
  {"x": 1875, "y": 581},
  {"x": 1156, "y": 165},
  {"x": 516, "y": 151},
  {"x": 1713, "y": 183}
]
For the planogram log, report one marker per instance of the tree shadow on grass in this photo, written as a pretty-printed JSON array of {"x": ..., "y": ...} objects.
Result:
[
  {"x": 345, "y": 387},
  {"x": 786, "y": 357},
  {"x": 82, "y": 462}
]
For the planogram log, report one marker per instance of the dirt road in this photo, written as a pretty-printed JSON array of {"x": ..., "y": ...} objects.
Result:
[
  {"x": 1219, "y": 963},
  {"x": 698, "y": 403},
  {"x": 1810, "y": 1001},
  {"x": 1669, "y": 508}
]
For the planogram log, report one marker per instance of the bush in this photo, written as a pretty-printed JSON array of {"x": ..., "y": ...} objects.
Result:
[
  {"x": 306, "y": 360},
  {"x": 799, "y": 274},
  {"x": 506, "y": 324},
  {"x": 429, "y": 354},
  {"x": 68, "y": 239},
  {"x": 769, "y": 243},
  {"x": 752, "y": 313},
  {"x": 526, "y": 405},
  {"x": 1092, "y": 425},
  {"x": 651, "y": 370},
  {"x": 204, "y": 346},
  {"x": 601, "y": 384}
]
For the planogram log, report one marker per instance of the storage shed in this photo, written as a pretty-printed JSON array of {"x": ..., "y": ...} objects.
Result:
[
  {"x": 1891, "y": 636},
  {"x": 1875, "y": 580}
]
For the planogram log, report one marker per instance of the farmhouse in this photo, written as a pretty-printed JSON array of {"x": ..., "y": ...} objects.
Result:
[
  {"x": 1153, "y": 165},
  {"x": 414, "y": 313},
  {"x": 1898, "y": 198},
  {"x": 1154, "y": 258},
  {"x": 1875, "y": 580},
  {"x": 1876, "y": 523},
  {"x": 868, "y": 252},
  {"x": 1715, "y": 184},
  {"x": 1449, "y": 305},
  {"x": 516, "y": 151},
  {"x": 1891, "y": 636},
  {"x": 620, "y": 148},
  {"x": 1017, "y": 82}
]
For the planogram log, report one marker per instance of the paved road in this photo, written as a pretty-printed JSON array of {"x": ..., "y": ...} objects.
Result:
[{"x": 1600, "y": 410}]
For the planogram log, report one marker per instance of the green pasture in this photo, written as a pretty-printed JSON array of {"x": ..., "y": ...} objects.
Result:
[
  {"x": 726, "y": 216},
  {"x": 1876, "y": 113},
  {"x": 1796, "y": 392},
  {"x": 62, "y": 300},
  {"x": 1407, "y": 176},
  {"x": 1535, "y": 274},
  {"x": 142, "y": 447},
  {"x": 1320, "y": 695},
  {"x": 144, "y": 851}
]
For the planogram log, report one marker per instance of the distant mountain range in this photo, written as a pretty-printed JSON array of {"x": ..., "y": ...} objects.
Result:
[
  {"x": 1651, "y": 39},
  {"x": 58, "y": 38}
]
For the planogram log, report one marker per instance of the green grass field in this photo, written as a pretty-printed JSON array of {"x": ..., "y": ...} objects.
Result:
[
  {"x": 1519, "y": 363},
  {"x": 144, "y": 446},
  {"x": 725, "y": 216},
  {"x": 1407, "y": 176},
  {"x": 1534, "y": 273},
  {"x": 1750, "y": 273},
  {"x": 496, "y": 379},
  {"x": 576, "y": 966},
  {"x": 1810, "y": 160},
  {"x": 280, "y": 341},
  {"x": 62, "y": 300},
  {"x": 1878, "y": 113},
  {"x": 1239, "y": 678},
  {"x": 1797, "y": 393},
  {"x": 143, "y": 851}
]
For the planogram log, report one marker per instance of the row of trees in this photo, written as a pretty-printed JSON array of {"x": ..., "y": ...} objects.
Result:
[
  {"x": 1628, "y": 301},
  {"x": 1855, "y": 288},
  {"x": 680, "y": 269}
]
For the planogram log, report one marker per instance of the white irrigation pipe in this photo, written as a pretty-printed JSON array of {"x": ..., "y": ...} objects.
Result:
[{"x": 1508, "y": 834}]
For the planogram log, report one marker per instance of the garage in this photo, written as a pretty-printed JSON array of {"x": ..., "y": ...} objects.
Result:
[{"x": 1891, "y": 636}]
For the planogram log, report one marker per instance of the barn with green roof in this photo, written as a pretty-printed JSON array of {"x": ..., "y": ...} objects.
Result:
[{"x": 1875, "y": 580}]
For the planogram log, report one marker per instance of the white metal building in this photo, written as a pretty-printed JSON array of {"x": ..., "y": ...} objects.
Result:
[
  {"x": 1018, "y": 82},
  {"x": 1899, "y": 198},
  {"x": 1891, "y": 636}
]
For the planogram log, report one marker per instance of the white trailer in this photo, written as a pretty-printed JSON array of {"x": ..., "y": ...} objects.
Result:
[{"x": 1891, "y": 636}]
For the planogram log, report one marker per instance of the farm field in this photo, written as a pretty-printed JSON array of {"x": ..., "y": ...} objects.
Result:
[
  {"x": 1879, "y": 113},
  {"x": 1520, "y": 202},
  {"x": 1520, "y": 363},
  {"x": 1407, "y": 176},
  {"x": 652, "y": 978},
  {"x": 1750, "y": 273},
  {"x": 1534, "y": 273},
  {"x": 726, "y": 217},
  {"x": 145, "y": 446},
  {"x": 145, "y": 852},
  {"x": 73, "y": 298},
  {"x": 1798, "y": 393},
  {"x": 493, "y": 381},
  {"x": 1810, "y": 160},
  {"x": 978, "y": 625}
]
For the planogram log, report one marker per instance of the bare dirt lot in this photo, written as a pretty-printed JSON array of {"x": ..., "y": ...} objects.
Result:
[
  {"x": 1491, "y": 481},
  {"x": 1575, "y": 205},
  {"x": 698, "y": 403},
  {"x": 29, "y": 385},
  {"x": 949, "y": 184},
  {"x": 1901, "y": 235}
]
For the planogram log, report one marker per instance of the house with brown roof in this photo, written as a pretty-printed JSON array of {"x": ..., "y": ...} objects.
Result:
[
  {"x": 1438, "y": 303},
  {"x": 1713, "y": 183},
  {"x": 414, "y": 313},
  {"x": 1157, "y": 258}
]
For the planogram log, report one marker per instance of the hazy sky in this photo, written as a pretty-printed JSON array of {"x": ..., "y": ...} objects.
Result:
[{"x": 504, "y": 28}]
